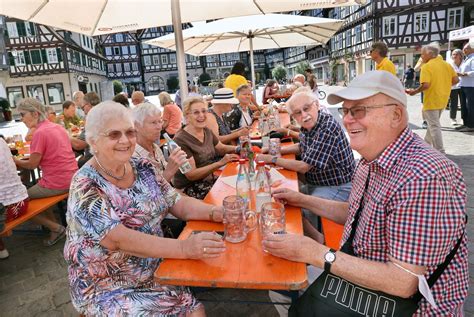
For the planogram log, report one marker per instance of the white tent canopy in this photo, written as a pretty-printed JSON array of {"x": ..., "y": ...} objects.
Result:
[
  {"x": 97, "y": 17},
  {"x": 264, "y": 31},
  {"x": 251, "y": 33},
  {"x": 462, "y": 34}
]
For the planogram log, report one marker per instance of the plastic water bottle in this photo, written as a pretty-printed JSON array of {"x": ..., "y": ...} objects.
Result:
[
  {"x": 185, "y": 167},
  {"x": 262, "y": 187},
  {"x": 243, "y": 185}
]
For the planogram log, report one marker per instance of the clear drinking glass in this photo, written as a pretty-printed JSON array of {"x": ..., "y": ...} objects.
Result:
[
  {"x": 237, "y": 221},
  {"x": 272, "y": 219}
]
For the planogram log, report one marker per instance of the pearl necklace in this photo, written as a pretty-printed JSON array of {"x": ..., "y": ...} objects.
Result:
[{"x": 119, "y": 178}]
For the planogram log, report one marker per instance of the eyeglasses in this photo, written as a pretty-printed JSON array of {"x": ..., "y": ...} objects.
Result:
[
  {"x": 116, "y": 135},
  {"x": 359, "y": 112},
  {"x": 306, "y": 108},
  {"x": 198, "y": 112}
]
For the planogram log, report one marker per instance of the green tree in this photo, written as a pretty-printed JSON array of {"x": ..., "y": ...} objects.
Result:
[
  {"x": 117, "y": 86},
  {"x": 301, "y": 67},
  {"x": 172, "y": 83},
  {"x": 204, "y": 79},
  {"x": 279, "y": 72}
]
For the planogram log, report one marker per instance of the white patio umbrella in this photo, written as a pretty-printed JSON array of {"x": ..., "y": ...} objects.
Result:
[
  {"x": 251, "y": 33},
  {"x": 97, "y": 17}
]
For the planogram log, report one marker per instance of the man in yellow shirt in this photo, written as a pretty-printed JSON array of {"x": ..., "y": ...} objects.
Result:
[
  {"x": 378, "y": 53},
  {"x": 236, "y": 77},
  {"x": 436, "y": 79}
]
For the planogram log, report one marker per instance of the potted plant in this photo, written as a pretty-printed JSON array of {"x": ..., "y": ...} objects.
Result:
[{"x": 5, "y": 108}]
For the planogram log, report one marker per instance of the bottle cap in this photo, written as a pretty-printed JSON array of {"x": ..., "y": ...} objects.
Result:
[
  {"x": 241, "y": 161},
  {"x": 260, "y": 163}
]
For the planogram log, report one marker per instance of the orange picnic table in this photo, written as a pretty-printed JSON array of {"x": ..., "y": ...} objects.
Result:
[{"x": 244, "y": 265}]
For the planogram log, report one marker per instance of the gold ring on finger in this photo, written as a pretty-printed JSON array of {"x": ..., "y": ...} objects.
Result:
[{"x": 204, "y": 250}]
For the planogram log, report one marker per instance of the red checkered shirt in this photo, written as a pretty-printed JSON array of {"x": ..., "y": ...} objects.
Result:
[{"x": 414, "y": 211}]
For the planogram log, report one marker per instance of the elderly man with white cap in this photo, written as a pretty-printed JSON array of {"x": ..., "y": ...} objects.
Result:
[
  {"x": 404, "y": 223},
  {"x": 222, "y": 102}
]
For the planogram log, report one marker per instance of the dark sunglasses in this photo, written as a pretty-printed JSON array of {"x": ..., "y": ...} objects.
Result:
[{"x": 116, "y": 135}]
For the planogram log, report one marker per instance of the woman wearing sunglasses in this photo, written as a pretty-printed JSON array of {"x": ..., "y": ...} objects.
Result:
[
  {"x": 203, "y": 149},
  {"x": 114, "y": 239},
  {"x": 50, "y": 150}
]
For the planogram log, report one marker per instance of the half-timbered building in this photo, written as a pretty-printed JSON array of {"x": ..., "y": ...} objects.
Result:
[
  {"x": 404, "y": 25},
  {"x": 50, "y": 64},
  {"x": 123, "y": 57}
]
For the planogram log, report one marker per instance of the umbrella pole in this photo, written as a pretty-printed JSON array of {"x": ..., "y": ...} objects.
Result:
[
  {"x": 252, "y": 66},
  {"x": 180, "y": 58}
]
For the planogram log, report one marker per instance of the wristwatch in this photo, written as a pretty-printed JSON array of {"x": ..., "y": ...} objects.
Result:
[
  {"x": 274, "y": 159},
  {"x": 329, "y": 259}
]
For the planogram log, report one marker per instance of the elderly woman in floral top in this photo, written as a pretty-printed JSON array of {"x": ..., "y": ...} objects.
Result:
[
  {"x": 114, "y": 238},
  {"x": 148, "y": 124}
]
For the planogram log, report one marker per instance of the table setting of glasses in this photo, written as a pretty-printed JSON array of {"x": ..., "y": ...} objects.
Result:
[{"x": 245, "y": 264}]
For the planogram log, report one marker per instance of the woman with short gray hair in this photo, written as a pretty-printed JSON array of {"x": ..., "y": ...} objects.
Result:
[
  {"x": 51, "y": 150},
  {"x": 456, "y": 94},
  {"x": 114, "y": 239},
  {"x": 148, "y": 123}
]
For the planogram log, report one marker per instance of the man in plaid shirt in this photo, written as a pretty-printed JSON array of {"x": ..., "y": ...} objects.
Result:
[
  {"x": 412, "y": 211},
  {"x": 326, "y": 157}
]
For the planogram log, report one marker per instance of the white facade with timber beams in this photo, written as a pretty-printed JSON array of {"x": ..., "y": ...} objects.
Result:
[
  {"x": 50, "y": 64},
  {"x": 404, "y": 25}
]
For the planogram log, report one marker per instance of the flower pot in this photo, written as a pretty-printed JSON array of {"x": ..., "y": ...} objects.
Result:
[{"x": 7, "y": 114}]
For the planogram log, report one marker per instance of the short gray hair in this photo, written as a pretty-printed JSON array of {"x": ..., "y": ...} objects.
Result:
[
  {"x": 432, "y": 48},
  {"x": 101, "y": 114},
  {"x": 300, "y": 92},
  {"x": 144, "y": 110},
  {"x": 33, "y": 105},
  {"x": 458, "y": 51}
]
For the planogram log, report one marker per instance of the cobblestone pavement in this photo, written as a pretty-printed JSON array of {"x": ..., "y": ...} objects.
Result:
[{"x": 33, "y": 281}]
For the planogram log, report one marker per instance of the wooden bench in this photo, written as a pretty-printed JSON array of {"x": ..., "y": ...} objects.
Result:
[
  {"x": 332, "y": 233},
  {"x": 35, "y": 207}
]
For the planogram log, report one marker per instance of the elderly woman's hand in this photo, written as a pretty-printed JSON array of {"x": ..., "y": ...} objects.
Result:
[
  {"x": 228, "y": 158},
  {"x": 203, "y": 245},
  {"x": 287, "y": 196},
  {"x": 244, "y": 131},
  {"x": 176, "y": 158}
]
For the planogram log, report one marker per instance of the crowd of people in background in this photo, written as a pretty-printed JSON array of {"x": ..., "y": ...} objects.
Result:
[{"x": 123, "y": 184}]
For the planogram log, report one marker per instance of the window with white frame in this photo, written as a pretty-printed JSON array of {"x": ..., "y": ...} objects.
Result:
[
  {"x": 135, "y": 66},
  {"x": 125, "y": 50},
  {"x": 126, "y": 67},
  {"x": 156, "y": 59},
  {"x": 348, "y": 38},
  {"x": 20, "y": 58},
  {"x": 147, "y": 60},
  {"x": 421, "y": 22},
  {"x": 108, "y": 51},
  {"x": 12, "y": 30},
  {"x": 30, "y": 29},
  {"x": 52, "y": 55},
  {"x": 110, "y": 68},
  {"x": 118, "y": 37},
  {"x": 370, "y": 30},
  {"x": 116, "y": 50},
  {"x": 389, "y": 27},
  {"x": 118, "y": 68},
  {"x": 133, "y": 49},
  {"x": 358, "y": 34},
  {"x": 173, "y": 58},
  {"x": 164, "y": 59},
  {"x": 455, "y": 18}
]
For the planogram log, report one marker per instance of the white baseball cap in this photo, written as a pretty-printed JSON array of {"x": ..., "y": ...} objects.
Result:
[
  {"x": 369, "y": 84},
  {"x": 224, "y": 95}
]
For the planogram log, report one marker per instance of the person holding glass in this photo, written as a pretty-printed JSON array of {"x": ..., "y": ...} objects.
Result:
[{"x": 114, "y": 239}]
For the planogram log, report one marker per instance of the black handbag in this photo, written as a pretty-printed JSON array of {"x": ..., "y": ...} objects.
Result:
[{"x": 331, "y": 295}]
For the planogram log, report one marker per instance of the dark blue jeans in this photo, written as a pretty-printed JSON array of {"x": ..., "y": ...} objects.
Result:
[{"x": 468, "y": 113}]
